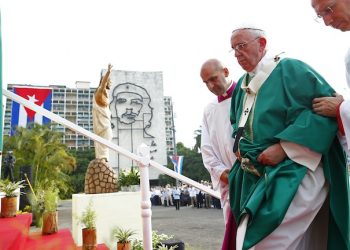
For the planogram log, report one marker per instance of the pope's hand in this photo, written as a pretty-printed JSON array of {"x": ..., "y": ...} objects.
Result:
[{"x": 272, "y": 155}]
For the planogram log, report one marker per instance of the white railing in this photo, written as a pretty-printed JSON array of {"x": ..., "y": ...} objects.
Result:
[{"x": 143, "y": 159}]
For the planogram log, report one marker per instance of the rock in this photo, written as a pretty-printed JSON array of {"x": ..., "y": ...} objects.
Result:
[{"x": 100, "y": 178}]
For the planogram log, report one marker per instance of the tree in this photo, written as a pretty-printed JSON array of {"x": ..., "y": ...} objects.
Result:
[
  {"x": 198, "y": 138},
  {"x": 43, "y": 151},
  {"x": 193, "y": 165},
  {"x": 83, "y": 158}
]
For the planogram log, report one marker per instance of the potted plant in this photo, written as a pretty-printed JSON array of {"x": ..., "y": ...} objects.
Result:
[
  {"x": 88, "y": 220},
  {"x": 37, "y": 202},
  {"x": 9, "y": 202},
  {"x": 129, "y": 180},
  {"x": 123, "y": 237},
  {"x": 50, "y": 216}
]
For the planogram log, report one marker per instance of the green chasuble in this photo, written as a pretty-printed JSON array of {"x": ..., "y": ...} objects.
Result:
[{"x": 283, "y": 111}]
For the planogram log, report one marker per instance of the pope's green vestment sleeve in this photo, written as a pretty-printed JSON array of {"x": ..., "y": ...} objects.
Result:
[{"x": 283, "y": 111}]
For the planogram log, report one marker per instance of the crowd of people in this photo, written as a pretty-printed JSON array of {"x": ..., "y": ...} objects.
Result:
[{"x": 183, "y": 195}]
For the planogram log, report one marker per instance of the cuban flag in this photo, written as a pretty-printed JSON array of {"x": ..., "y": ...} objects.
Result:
[
  {"x": 178, "y": 162},
  {"x": 21, "y": 116}
]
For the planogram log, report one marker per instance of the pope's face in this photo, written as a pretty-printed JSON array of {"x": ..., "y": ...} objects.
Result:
[
  {"x": 128, "y": 106},
  {"x": 248, "y": 49}
]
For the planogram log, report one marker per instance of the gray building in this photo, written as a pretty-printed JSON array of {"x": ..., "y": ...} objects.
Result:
[
  {"x": 75, "y": 105},
  {"x": 169, "y": 126}
]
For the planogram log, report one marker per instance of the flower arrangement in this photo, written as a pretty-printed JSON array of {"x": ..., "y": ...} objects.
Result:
[
  {"x": 156, "y": 241},
  {"x": 158, "y": 238},
  {"x": 128, "y": 178},
  {"x": 163, "y": 247}
]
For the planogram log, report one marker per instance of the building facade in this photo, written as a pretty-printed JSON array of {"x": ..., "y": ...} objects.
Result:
[
  {"x": 137, "y": 108},
  {"x": 75, "y": 105},
  {"x": 169, "y": 126}
]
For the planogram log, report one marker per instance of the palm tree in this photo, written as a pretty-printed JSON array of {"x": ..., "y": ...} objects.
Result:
[
  {"x": 43, "y": 150},
  {"x": 198, "y": 137}
]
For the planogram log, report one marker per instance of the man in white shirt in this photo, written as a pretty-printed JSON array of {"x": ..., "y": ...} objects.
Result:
[{"x": 192, "y": 191}]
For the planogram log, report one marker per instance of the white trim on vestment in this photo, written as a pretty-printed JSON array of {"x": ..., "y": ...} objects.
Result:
[
  {"x": 301, "y": 154},
  {"x": 345, "y": 118}
]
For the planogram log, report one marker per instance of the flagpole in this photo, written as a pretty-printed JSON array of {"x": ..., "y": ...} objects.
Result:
[
  {"x": 175, "y": 150},
  {"x": 1, "y": 104}
]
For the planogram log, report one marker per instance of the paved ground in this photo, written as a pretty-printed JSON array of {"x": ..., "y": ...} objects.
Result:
[{"x": 199, "y": 229}]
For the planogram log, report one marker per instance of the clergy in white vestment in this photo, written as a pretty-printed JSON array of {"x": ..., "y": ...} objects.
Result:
[{"x": 216, "y": 140}]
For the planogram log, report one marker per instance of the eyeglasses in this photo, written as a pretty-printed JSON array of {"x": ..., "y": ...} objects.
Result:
[
  {"x": 325, "y": 13},
  {"x": 243, "y": 46}
]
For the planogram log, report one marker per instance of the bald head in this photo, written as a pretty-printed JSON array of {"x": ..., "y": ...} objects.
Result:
[
  {"x": 214, "y": 74},
  {"x": 213, "y": 64}
]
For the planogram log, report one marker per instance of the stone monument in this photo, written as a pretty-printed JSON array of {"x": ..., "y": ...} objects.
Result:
[{"x": 100, "y": 177}]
